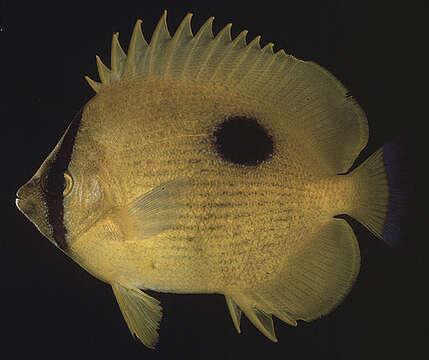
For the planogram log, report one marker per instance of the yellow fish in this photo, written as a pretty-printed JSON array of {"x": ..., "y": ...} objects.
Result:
[{"x": 205, "y": 164}]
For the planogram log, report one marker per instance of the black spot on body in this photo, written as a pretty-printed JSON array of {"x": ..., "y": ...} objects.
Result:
[
  {"x": 53, "y": 183},
  {"x": 242, "y": 140}
]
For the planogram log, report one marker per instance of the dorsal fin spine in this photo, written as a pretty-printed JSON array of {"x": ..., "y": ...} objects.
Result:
[
  {"x": 205, "y": 30},
  {"x": 240, "y": 43},
  {"x": 136, "y": 50},
  {"x": 182, "y": 35},
  {"x": 96, "y": 86},
  {"x": 159, "y": 38},
  {"x": 264, "y": 63},
  {"x": 217, "y": 41},
  {"x": 118, "y": 58},
  {"x": 201, "y": 56},
  {"x": 280, "y": 59},
  {"x": 254, "y": 45},
  {"x": 103, "y": 71}
]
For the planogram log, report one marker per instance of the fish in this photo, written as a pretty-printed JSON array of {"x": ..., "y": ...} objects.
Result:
[{"x": 209, "y": 164}]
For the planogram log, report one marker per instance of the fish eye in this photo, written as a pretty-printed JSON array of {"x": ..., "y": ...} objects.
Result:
[
  {"x": 56, "y": 184},
  {"x": 68, "y": 183}
]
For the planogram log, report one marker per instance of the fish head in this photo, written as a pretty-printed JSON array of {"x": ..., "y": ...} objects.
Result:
[
  {"x": 30, "y": 201},
  {"x": 41, "y": 198},
  {"x": 65, "y": 194}
]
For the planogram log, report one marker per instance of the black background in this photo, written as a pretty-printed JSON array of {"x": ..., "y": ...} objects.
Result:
[{"x": 51, "y": 308}]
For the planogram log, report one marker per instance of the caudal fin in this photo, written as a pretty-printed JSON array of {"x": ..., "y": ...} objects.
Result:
[
  {"x": 384, "y": 189},
  {"x": 400, "y": 171}
]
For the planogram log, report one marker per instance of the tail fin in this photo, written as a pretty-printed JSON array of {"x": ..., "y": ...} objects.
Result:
[
  {"x": 384, "y": 188},
  {"x": 400, "y": 171}
]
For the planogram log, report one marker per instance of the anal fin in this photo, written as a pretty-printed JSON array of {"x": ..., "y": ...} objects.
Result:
[
  {"x": 259, "y": 318},
  {"x": 235, "y": 312},
  {"x": 141, "y": 312},
  {"x": 312, "y": 283},
  {"x": 262, "y": 321}
]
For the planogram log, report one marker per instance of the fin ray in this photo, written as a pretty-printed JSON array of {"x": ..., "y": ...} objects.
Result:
[
  {"x": 262, "y": 321},
  {"x": 96, "y": 86},
  {"x": 158, "y": 42},
  {"x": 228, "y": 62},
  {"x": 319, "y": 109},
  {"x": 296, "y": 293},
  {"x": 118, "y": 59},
  {"x": 235, "y": 312},
  {"x": 383, "y": 191},
  {"x": 181, "y": 38},
  {"x": 141, "y": 312},
  {"x": 103, "y": 71},
  {"x": 209, "y": 60},
  {"x": 312, "y": 100},
  {"x": 136, "y": 50},
  {"x": 371, "y": 193},
  {"x": 158, "y": 209},
  {"x": 198, "y": 42}
]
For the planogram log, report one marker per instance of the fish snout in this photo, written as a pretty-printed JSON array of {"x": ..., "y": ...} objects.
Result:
[
  {"x": 31, "y": 201},
  {"x": 26, "y": 207},
  {"x": 25, "y": 191},
  {"x": 27, "y": 196},
  {"x": 20, "y": 194}
]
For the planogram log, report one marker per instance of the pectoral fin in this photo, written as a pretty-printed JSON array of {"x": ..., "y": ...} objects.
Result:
[
  {"x": 156, "y": 210},
  {"x": 141, "y": 312}
]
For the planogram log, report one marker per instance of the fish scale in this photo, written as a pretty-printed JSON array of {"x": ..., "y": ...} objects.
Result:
[{"x": 149, "y": 188}]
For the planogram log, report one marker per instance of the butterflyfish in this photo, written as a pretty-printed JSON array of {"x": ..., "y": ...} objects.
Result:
[{"x": 206, "y": 164}]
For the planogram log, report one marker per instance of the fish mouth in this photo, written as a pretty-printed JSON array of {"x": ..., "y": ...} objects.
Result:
[
  {"x": 20, "y": 204},
  {"x": 29, "y": 210},
  {"x": 19, "y": 194},
  {"x": 19, "y": 200}
]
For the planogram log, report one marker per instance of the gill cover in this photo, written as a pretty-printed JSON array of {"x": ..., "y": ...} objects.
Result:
[{"x": 41, "y": 199}]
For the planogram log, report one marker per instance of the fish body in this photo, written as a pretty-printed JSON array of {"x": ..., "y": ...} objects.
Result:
[
  {"x": 221, "y": 217},
  {"x": 144, "y": 190}
]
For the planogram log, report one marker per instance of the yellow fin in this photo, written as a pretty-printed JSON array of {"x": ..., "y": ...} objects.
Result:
[
  {"x": 136, "y": 50},
  {"x": 156, "y": 210},
  {"x": 262, "y": 321},
  {"x": 319, "y": 108},
  {"x": 118, "y": 58},
  {"x": 313, "y": 102},
  {"x": 103, "y": 71},
  {"x": 154, "y": 65},
  {"x": 202, "y": 56},
  {"x": 235, "y": 312},
  {"x": 141, "y": 312},
  {"x": 96, "y": 86},
  {"x": 372, "y": 193},
  {"x": 313, "y": 282}
]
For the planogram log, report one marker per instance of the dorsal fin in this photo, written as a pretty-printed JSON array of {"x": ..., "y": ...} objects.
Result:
[
  {"x": 136, "y": 50},
  {"x": 182, "y": 54},
  {"x": 117, "y": 59},
  {"x": 311, "y": 100}
]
